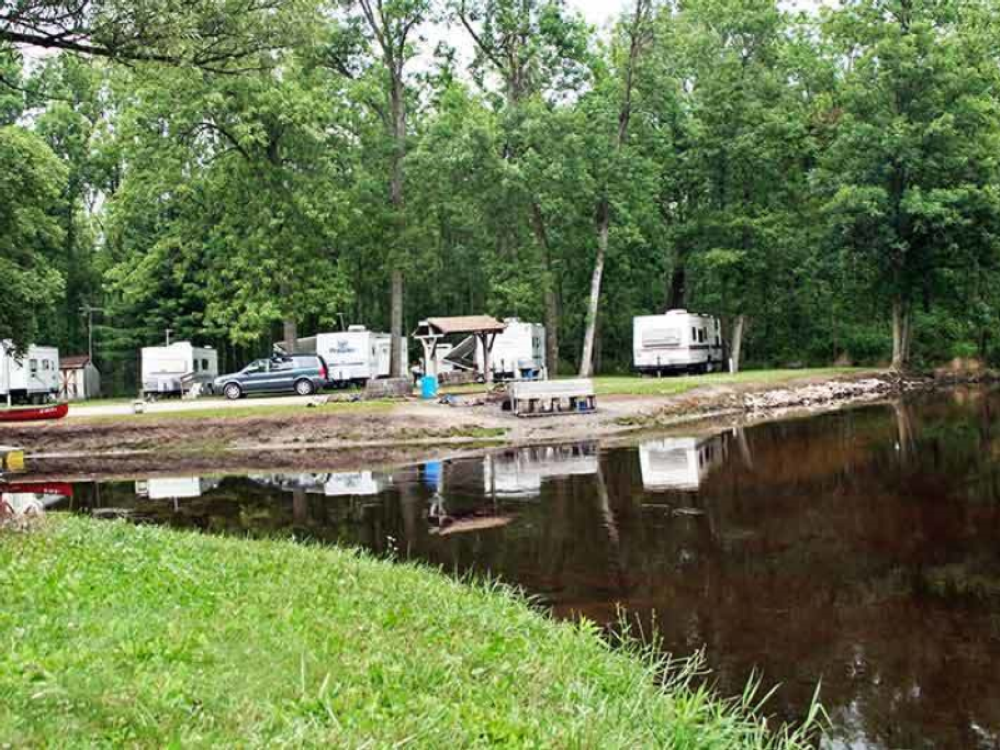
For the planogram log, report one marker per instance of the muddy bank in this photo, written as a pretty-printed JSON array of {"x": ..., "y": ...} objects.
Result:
[{"x": 412, "y": 430}]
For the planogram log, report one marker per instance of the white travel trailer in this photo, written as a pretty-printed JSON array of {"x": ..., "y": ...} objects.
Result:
[
  {"x": 679, "y": 463},
  {"x": 354, "y": 356},
  {"x": 170, "y": 370},
  {"x": 518, "y": 353},
  {"x": 677, "y": 341},
  {"x": 32, "y": 377}
]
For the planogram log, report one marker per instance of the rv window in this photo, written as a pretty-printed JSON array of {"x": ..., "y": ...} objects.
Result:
[
  {"x": 204, "y": 365},
  {"x": 45, "y": 364},
  {"x": 196, "y": 365},
  {"x": 694, "y": 334},
  {"x": 33, "y": 365}
]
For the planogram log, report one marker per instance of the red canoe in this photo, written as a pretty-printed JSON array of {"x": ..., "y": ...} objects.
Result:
[{"x": 34, "y": 413}]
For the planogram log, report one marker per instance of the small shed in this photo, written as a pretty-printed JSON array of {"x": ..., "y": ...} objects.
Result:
[
  {"x": 79, "y": 379},
  {"x": 430, "y": 332}
]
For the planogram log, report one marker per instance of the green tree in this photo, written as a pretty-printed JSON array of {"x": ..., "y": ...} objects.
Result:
[
  {"x": 910, "y": 173},
  {"x": 31, "y": 184}
]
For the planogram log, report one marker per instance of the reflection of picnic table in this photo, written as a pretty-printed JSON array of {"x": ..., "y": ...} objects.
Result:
[
  {"x": 445, "y": 524},
  {"x": 551, "y": 397},
  {"x": 473, "y": 523}
]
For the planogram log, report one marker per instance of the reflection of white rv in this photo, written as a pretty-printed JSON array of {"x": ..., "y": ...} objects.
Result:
[
  {"x": 169, "y": 370},
  {"x": 519, "y": 473},
  {"x": 677, "y": 341},
  {"x": 679, "y": 463},
  {"x": 174, "y": 488},
  {"x": 337, "y": 484},
  {"x": 518, "y": 353},
  {"x": 354, "y": 356},
  {"x": 33, "y": 377}
]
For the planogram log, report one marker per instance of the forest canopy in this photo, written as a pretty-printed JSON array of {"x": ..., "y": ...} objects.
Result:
[{"x": 242, "y": 172}]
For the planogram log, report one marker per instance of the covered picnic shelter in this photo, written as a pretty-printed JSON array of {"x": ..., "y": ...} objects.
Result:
[{"x": 430, "y": 332}]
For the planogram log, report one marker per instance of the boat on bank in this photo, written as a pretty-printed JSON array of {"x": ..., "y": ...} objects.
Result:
[{"x": 34, "y": 413}]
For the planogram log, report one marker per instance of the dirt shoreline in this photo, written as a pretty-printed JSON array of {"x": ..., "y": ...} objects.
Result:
[{"x": 417, "y": 431}]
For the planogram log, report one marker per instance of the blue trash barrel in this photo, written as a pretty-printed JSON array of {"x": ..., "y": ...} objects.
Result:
[
  {"x": 429, "y": 387},
  {"x": 432, "y": 475}
]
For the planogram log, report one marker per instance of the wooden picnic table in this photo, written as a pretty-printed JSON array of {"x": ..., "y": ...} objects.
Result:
[{"x": 552, "y": 397}]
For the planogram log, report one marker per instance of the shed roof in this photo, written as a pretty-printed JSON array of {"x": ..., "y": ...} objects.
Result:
[
  {"x": 463, "y": 324},
  {"x": 74, "y": 363}
]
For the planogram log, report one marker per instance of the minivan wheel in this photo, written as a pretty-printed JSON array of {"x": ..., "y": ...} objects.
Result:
[
  {"x": 304, "y": 388},
  {"x": 232, "y": 391}
]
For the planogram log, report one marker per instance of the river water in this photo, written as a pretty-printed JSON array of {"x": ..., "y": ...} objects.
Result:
[{"x": 860, "y": 549}]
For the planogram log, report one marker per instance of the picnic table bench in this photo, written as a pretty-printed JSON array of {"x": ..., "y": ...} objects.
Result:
[{"x": 551, "y": 397}]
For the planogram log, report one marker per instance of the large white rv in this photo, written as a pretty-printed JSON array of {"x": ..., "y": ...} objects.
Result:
[
  {"x": 518, "y": 353},
  {"x": 32, "y": 377},
  {"x": 677, "y": 341},
  {"x": 170, "y": 370},
  {"x": 354, "y": 356}
]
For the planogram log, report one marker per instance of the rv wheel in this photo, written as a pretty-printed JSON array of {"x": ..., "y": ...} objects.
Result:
[{"x": 232, "y": 391}]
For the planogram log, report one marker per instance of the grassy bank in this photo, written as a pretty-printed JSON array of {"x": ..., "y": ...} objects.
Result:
[
  {"x": 126, "y": 635},
  {"x": 248, "y": 410},
  {"x": 628, "y": 385}
]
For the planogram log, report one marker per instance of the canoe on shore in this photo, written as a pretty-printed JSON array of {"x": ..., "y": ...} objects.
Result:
[{"x": 34, "y": 413}]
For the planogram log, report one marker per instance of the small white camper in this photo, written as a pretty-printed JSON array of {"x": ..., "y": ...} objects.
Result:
[
  {"x": 677, "y": 341},
  {"x": 171, "y": 370},
  {"x": 518, "y": 353},
  {"x": 354, "y": 356},
  {"x": 32, "y": 377}
]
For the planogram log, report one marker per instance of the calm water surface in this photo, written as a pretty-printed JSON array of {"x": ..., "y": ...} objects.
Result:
[{"x": 861, "y": 549}]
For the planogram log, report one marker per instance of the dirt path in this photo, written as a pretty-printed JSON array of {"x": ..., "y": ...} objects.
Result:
[{"x": 413, "y": 430}]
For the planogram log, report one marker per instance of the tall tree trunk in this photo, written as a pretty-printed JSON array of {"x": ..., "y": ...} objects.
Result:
[
  {"x": 291, "y": 335},
  {"x": 551, "y": 325},
  {"x": 398, "y": 127},
  {"x": 290, "y": 326},
  {"x": 677, "y": 296},
  {"x": 603, "y": 231},
  {"x": 638, "y": 38},
  {"x": 551, "y": 291},
  {"x": 900, "y": 334},
  {"x": 396, "y": 364},
  {"x": 736, "y": 345}
]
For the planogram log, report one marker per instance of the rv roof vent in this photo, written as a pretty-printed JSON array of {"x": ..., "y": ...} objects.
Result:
[
  {"x": 677, "y": 312},
  {"x": 356, "y": 329}
]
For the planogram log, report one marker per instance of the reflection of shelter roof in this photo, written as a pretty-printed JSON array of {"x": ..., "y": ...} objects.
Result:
[
  {"x": 467, "y": 324},
  {"x": 520, "y": 473}
]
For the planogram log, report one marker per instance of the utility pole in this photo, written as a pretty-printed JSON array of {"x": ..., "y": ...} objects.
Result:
[{"x": 89, "y": 311}]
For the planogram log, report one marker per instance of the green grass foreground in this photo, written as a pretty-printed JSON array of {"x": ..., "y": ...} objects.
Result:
[{"x": 121, "y": 635}]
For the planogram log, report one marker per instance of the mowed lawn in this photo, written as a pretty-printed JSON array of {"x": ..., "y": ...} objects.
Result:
[{"x": 117, "y": 635}]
